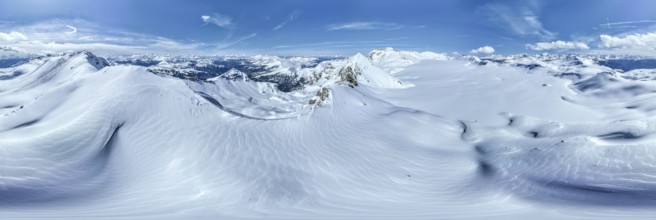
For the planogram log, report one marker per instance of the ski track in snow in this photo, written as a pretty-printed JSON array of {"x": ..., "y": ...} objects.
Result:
[{"x": 81, "y": 141}]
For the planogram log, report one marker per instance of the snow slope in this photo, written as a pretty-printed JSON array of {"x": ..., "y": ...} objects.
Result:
[{"x": 80, "y": 139}]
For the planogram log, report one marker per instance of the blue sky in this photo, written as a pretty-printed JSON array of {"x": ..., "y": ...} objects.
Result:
[{"x": 339, "y": 27}]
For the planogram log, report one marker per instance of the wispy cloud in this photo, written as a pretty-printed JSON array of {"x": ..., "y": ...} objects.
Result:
[
  {"x": 55, "y": 36},
  {"x": 389, "y": 42},
  {"x": 557, "y": 45},
  {"x": 364, "y": 26},
  {"x": 519, "y": 20},
  {"x": 332, "y": 44},
  {"x": 344, "y": 47},
  {"x": 627, "y": 24},
  {"x": 217, "y": 19},
  {"x": 290, "y": 18},
  {"x": 483, "y": 50},
  {"x": 229, "y": 44},
  {"x": 73, "y": 29}
]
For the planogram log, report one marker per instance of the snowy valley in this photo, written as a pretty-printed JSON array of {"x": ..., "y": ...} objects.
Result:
[{"x": 392, "y": 134}]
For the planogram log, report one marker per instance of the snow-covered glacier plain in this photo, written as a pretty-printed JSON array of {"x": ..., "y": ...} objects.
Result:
[{"x": 386, "y": 135}]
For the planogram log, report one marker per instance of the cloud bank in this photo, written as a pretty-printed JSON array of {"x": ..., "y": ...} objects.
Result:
[
  {"x": 12, "y": 37},
  {"x": 558, "y": 45},
  {"x": 483, "y": 50},
  {"x": 645, "y": 41}
]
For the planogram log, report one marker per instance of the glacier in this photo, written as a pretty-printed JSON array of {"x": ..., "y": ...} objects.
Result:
[{"x": 387, "y": 135}]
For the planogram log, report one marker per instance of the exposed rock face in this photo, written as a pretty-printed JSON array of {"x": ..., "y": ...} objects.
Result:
[
  {"x": 95, "y": 61},
  {"x": 235, "y": 75},
  {"x": 322, "y": 95},
  {"x": 349, "y": 75}
]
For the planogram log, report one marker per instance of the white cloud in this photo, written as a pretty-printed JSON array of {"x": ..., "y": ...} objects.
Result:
[
  {"x": 291, "y": 17},
  {"x": 558, "y": 45},
  {"x": 220, "y": 20},
  {"x": 521, "y": 21},
  {"x": 12, "y": 36},
  {"x": 484, "y": 49},
  {"x": 73, "y": 29},
  {"x": 364, "y": 26},
  {"x": 644, "y": 41},
  {"x": 8, "y": 49}
]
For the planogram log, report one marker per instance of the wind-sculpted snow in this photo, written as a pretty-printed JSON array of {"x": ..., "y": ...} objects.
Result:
[
  {"x": 432, "y": 138},
  {"x": 592, "y": 163}
]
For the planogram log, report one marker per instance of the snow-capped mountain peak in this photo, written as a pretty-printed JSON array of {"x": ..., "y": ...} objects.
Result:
[
  {"x": 232, "y": 74},
  {"x": 359, "y": 69},
  {"x": 95, "y": 61},
  {"x": 393, "y": 61}
]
